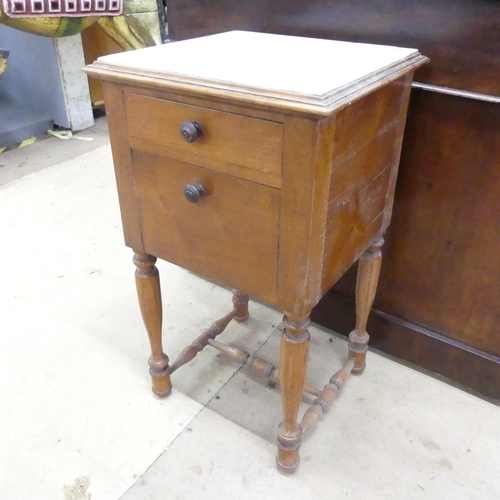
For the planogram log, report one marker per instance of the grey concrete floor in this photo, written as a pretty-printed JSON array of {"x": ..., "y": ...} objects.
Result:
[{"x": 77, "y": 415}]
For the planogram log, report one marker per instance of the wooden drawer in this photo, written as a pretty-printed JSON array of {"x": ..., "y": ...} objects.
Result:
[
  {"x": 250, "y": 148},
  {"x": 229, "y": 236}
]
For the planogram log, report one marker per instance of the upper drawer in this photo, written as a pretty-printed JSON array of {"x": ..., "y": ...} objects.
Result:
[{"x": 246, "y": 147}]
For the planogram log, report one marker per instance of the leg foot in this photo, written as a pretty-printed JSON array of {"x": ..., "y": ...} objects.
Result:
[
  {"x": 288, "y": 458},
  {"x": 366, "y": 286},
  {"x": 161, "y": 384},
  {"x": 240, "y": 303},
  {"x": 147, "y": 280},
  {"x": 293, "y": 366}
]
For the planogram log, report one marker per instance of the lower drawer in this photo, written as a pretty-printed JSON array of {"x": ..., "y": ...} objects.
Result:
[{"x": 229, "y": 236}]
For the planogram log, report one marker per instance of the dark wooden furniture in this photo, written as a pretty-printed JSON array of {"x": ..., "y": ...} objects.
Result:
[
  {"x": 438, "y": 296},
  {"x": 270, "y": 175}
]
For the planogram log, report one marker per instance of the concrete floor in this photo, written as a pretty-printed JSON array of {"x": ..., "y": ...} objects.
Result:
[{"x": 77, "y": 417}]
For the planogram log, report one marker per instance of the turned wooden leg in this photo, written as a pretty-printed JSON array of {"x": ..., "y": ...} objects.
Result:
[
  {"x": 366, "y": 286},
  {"x": 240, "y": 303},
  {"x": 147, "y": 280},
  {"x": 293, "y": 366}
]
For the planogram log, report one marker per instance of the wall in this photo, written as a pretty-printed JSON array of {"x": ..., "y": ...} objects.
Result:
[{"x": 40, "y": 86}]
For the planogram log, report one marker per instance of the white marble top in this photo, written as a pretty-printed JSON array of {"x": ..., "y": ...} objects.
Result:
[{"x": 308, "y": 70}]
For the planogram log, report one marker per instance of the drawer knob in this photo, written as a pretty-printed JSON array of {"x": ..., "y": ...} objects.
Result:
[
  {"x": 193, "y": 192},
  {"x": 190, "y": 131}
]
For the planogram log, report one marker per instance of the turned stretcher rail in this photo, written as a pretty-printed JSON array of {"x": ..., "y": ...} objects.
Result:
[
  {"x": 190, "y": 352},
  {"x": 326, "y": 397},
  {"x": 239, "y": 313},
  {"x": 256, "y": 364}
]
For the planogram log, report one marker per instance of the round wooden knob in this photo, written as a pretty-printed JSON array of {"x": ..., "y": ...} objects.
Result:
[
  {"x": 190, "y": 131},
  {"x": 193, "y": 192}
]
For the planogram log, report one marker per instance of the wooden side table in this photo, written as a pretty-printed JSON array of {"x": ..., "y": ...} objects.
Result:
[{"x": 266, "y": 163}]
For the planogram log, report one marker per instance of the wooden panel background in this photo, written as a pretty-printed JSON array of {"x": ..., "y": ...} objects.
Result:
[
  {"x": 462, "y": 37},
  {"x": 437, "y": 304}
]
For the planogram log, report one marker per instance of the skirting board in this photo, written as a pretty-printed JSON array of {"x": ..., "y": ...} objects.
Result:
[{"x": 416, "y": 344}]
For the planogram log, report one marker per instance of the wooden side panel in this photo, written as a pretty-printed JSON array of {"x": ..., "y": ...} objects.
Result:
[
  {"x": 365, "y": 119},
  {"x": 398, "y": 143},
  {"x": 118, "y": 134},
  {"x": 364, "y": 164},
  {"x": 460, "y": 36},
  {"x": 361, "y": 168},
  {"x": 229, "y": 236},
  {"x": 304, "y": 205},
  {"x": 351, "y": 226},
  {"x": 227, "y": 138}
]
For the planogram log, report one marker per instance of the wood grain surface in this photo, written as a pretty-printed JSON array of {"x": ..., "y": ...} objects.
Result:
[
  {"x": 227, "y": 140},
  {"x": 229, "y": 236},
  {"x": 367, "y": 142},
  {"x": 447, "y": 222}
]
